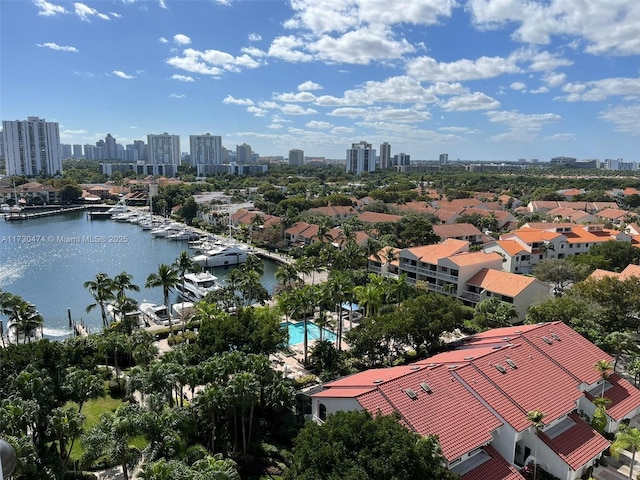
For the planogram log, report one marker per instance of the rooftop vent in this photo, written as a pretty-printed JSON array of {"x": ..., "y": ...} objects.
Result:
[
  {"x": 415, "y": 367},
  {"x": 468, "y": 358},
  {"x": 506, "y": 339},
  {"x": 453, "y": 367},
  {"x": 511, "y": 363},
  {"x": 425, "y": 386},
  {"x": 377, "y": 381},
  {"x": 411, "y": 394},
  {"x": 556, "y": 336},
  {"x": 500, "y": 368},
  {"x": 547, "y": 340},
  {"x": 518, "y": 331}
]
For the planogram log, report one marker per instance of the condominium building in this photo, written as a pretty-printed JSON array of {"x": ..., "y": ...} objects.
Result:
[
  {"x": 163, "y": 154},
  {"x": 296, "y": 157},
  {"x": 205, "y": 149},
  {"x": 361, "y": 157},
  {"x": 77, "y": 151},
  {"x": 385, "y": 155},
  {"x": 444, "y": 158},
  {"x": 243, "y": 153},
  {"x": 402, "y": 160},
  {"x": 32, "y": 147},
  {"x": 110, "y": 148}
]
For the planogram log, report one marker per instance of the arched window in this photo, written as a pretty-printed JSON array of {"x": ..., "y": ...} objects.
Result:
[{"x": 322, "y": 412}]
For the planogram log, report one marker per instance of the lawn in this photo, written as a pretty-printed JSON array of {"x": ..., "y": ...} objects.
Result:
[{"x": 92, "y": 410}]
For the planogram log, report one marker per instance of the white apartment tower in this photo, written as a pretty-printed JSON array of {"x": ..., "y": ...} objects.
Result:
[
  {"x": 361, "y": 157},
  {"x": 205, "y": 149},
  {"x": 163, "y": 154},
  {"x": 110, "y": 148},
  {"x": 32, "y": 147},
  {"x": 385, "y": 155},
  {"x": 444, "y": 159},
  {"x": 243, "y": 153},
  {"x": 296, "y": 157}
]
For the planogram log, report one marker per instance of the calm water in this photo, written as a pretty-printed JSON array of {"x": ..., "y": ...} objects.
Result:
[{"x": 47, "y": 261}]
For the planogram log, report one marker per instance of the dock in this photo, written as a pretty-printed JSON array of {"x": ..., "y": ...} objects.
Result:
[{"x": 47, "y": 213}]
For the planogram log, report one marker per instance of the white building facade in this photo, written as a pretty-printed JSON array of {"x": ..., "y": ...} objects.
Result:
[
  {"x": 163, "y": 154},
  {"x": 205, "y": 149},
  {"x": 32, "y": 147},
  {"x": 361, "y": 157}
]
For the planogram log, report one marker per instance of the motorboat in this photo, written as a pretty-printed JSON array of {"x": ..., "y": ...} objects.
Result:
[
  {"x": 120, "y": 207},
  {"x": 223, "y": 255},
  {"x": 182, "y": 235},
  {"x": 135, "y": 317},
  {"x": 195, "y": 286},
  {"x": 155, "y": 313},
  {"x": 167, "y": 230}
]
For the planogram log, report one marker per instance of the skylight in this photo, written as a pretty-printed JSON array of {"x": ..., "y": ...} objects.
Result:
[
  {"x": 425, "y": 386},
  {"x": 511, "y": 363},
  {"x": 556, "y": 336},
  {"x": 547, "y": 340},
  {"x": 500, "y": 368},
  {"x": 411, "y": 394}
]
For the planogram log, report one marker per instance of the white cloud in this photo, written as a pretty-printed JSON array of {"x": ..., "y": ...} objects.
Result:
[
  {"x": 254, "y": 52},
  {"x": 430, "y": 70},
  {"x": 163, "y": 40},
  {"x": 518, "y": 86},
  {"x": 48, "y": 9},
  {"x": 115, "y": 15},
  {"x": 295, "y": 97},
  {"x": 176, "y": 95},
  {"x": 85, "y": 12},
  {"x": 211, "y": 62},
  {"x": 554, "y": 80},
  {"x": 254, "y": 37},
  {"x": 292, "y": 109},
  {"x": 237, "y": 101},
  {"x": 607, "y": 27},
  {"x": 183, "y": 78},
  {"x": 257, "y": 112},
  {"x": 181, "y": 39},
  {"x": 560, "y": 137},
  {"x": 55, "y": 46},
  {"x": 226, "y": 3},
  {"x": 599, "y": 90},
  {"x": 624, "y": 117},
  {"x": 309, "y": 86},
  {"x": 470, "y": 102},
  {"x": 121, "y": 74},
  {"x": 163, "y": 5},
  {"x": 288, "y": 48},
  {"x": 522, "y": 127},
  {"x": 540, "y": 90},
  {"x": 318, "y": 124},
  {"x": 342, "y": 130}
]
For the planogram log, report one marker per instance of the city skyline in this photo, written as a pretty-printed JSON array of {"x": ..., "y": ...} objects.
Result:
[{"x": 480, "y": 79}]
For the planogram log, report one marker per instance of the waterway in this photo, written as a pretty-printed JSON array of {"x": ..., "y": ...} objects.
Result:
[{"x": 47, "y": 261}]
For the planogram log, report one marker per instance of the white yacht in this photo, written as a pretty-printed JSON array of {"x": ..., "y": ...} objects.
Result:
[
  {"x": 167, "y": 230},
  {"x": 223, "y": 255},
  {"x": 197, "y": 285},
  {"x": 135, "y": 317},
  {"x": 120, "y": 207},
  {"x": 18, "y": 336},
  {"x": 155, "y": 313}
]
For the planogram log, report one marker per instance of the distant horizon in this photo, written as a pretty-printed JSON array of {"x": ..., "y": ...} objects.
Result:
[{"x": 478, "y": 79}]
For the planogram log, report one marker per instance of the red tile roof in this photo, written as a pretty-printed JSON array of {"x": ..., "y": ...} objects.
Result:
[
  {"x": 624, "y": 397},
  {"x": 572, "y": 352},
  {"x": 456, "y": 230},
  {"x": 496, "y": 468},
  {"x": 577, "y": 445},
  {"x": 368, "y": 377},
  {"x": 373, "y": 217},
  {"x": 501, "y": 282},
  {"x": 448, "y": 409},
  {"x": 526, "y": 387}
]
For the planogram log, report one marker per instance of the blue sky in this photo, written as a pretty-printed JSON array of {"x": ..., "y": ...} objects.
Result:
[{"x": 477, "y": 79}]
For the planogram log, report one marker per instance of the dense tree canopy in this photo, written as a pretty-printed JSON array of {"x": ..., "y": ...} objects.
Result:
[{"x": 357, "y": 446}]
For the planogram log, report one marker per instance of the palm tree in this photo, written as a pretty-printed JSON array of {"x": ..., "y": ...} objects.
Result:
[
  {"x": 619, "y": 341},
  {"x": 25, "y": 317},
  {"x": 627, "y": 438},
  {"x": 101, "y": 289},
  {"x": 339, "y": 286},
  {"x": 123, "y": 282},
  {"x": 604, "y": 367},
  {"x": 167, "y": 278},
  {"x": 184, "y": 263},
  {"x": 535, "y": 417},
  {"x": 287, "y": 274}
]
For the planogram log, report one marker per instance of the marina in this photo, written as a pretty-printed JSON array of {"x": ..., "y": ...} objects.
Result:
[{"x": 47, "y": 260}]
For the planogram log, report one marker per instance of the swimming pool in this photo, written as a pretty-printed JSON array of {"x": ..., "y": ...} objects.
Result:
[{"x": 296, "y": 332}]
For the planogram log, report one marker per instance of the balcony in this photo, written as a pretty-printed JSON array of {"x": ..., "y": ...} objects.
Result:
[{"x": 471, "y": 296}]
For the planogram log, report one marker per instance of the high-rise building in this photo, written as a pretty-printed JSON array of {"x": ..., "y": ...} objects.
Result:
[
  {"x": 205, "y": 149},
  {"x": 32, "y": 147},
  {"x": 142, "y": 150},
  {"x": 110, "y": 148},
  {"x": 385, "y": 155},
  {"x": 77, "y": 150},
  {"x": 402, "y": 160},
  {"x": 164, "y": 154},
  {"x": 130, "y": 153},
  {"x": 296, "y": 157},
  {"x": 444, "y": 158},
  {"x": 361, "y": 157},
  {"x": 65, "y": 151},
  {"x": 243, "y": 153}
]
